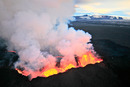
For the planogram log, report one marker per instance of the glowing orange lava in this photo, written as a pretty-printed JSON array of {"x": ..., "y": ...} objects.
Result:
[
  {"x": 86, "y": 59},
  {"x": 12, "y": 51},
  {"x": 19, "y": 71}
]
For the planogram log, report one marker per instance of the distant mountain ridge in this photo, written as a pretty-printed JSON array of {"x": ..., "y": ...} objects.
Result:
[{"x": 98, "y": 17}]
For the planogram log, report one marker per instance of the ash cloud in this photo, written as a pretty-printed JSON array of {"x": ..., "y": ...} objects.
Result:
[{"x": 38, "y": 31}]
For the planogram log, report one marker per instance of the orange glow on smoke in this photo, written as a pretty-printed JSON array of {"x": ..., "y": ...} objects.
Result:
[{"x": 86, "y": 59}]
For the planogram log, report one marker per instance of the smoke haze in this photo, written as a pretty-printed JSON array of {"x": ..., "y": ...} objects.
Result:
[{"x": 38, "y": 31}]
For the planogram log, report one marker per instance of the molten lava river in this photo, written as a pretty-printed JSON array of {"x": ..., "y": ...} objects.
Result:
[{"x": 86, "y": 59}]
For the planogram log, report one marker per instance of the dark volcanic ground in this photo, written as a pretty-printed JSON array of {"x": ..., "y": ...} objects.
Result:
[
  {"x": 118, "y": 33},
  {"x": 114, "y": 71}
]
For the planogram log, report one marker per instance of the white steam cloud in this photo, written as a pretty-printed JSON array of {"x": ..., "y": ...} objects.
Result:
[{"x": 38, "y": 31}]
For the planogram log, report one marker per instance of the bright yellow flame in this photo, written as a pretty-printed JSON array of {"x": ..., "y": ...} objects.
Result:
[
  {"x": 50, "y": 72},
  {"x": 69, "y": 66},
  {"x": 84, "y": 60}
]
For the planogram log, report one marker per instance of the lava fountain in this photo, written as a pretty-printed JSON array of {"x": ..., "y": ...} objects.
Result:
[{"x": 46, "y": 71}]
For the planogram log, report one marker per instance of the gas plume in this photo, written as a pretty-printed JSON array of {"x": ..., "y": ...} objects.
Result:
[{"x": 38, "y": 31}]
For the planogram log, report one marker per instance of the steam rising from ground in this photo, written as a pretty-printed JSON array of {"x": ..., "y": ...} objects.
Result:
[{"x": 38, "y": 31}]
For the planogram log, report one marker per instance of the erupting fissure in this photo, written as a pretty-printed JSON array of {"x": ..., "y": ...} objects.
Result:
[
  {"x": 86, "y": 59},
  {"x": 38, "y": 31}
]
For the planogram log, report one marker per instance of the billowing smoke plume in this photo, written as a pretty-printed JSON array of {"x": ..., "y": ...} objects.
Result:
[{"x": 37, "y": 30}]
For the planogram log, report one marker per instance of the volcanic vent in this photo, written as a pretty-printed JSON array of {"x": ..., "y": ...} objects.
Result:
[{"x": 38, "y": 31}]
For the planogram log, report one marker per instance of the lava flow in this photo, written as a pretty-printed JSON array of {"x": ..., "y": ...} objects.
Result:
[{"x": 46, "y": 71}]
